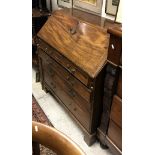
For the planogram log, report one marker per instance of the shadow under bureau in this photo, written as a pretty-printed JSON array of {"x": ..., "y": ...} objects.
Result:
[{"x": 72, "y": 55}]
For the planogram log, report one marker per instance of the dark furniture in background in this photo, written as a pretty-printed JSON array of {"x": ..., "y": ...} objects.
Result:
[
  {"x": 110, "y": 129},
  {"x": 72, "y": 56},
  {"x": 40, "y": 14}
]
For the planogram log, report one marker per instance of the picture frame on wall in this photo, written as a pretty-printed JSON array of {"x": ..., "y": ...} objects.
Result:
[
  {"x": 118, "y": 18},
  {"x": 111, "y": 7},
  {"x": 65, "y": 3},
  {"x": 91, "y": 6}
]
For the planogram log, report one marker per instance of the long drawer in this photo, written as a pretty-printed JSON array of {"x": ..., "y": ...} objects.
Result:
[
  {"x": 76, "y": 105},
  {"x": 79, "y": 74},
  {"x": 116, "y": 110},
  {"x": 115, "y": 134},
  {"x": 80, "y": 88}
]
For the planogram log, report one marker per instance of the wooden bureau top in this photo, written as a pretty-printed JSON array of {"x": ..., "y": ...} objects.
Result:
[
  {"x": 117, "y": 31},
  {"x": 84, "y": 44}
]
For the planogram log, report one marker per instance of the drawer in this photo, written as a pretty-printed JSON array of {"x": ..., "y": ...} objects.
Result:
[
  {"x": 119, "y": 85},
  {"x": 76, "y": 105},
  {"x": 115, "y": 134},
  {"x": 80, "y": 88},
  {"x": 115, "y": 49},
  {"x": 53, "y": 76},
  {"x": 116, "y": 111},
  {"x": 79, "y": 74}
]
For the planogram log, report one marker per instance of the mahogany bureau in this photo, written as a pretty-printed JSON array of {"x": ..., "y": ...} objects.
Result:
[
  {"x": 72, "y": 55},
  {"x": 110, "y": 129}
]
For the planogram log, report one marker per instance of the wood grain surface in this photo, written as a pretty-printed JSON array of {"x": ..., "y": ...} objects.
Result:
[
  {"x": 116, "y": 111},
  {"x": 84, "y": 44},
  {"x": 54, "y": 140},
  {"x": 115, "y": 134}
]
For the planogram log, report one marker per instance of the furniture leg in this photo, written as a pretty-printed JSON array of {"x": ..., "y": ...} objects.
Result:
[
  {"x": 90, "y": 139},
  {"x": 36, "y": 148}
]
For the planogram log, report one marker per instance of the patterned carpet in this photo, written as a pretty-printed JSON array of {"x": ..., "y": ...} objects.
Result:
[
  {"x": 37, "y": 113},
  {"x": 39, "y": 116}
]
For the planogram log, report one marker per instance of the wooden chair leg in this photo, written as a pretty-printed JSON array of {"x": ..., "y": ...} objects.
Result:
[{"x": 36, "y": 148}]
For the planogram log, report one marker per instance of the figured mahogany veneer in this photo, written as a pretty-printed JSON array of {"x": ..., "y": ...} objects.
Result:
[
  {"x": 72, "y": 56},
  {"x": 83, "y": 44}
]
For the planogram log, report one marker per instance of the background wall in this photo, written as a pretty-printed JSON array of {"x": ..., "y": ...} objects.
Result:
[{"x": 55, "y": 7}]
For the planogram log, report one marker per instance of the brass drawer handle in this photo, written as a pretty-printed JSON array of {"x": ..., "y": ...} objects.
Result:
[
  {"x": 53, "y": 85},
  {"x": 70, "y": 80},
  {"x": 72, "y": 93},
  {"x": 68, "y": 66},
  {"x": 51, "y": 71},
  {"x": 48, "y": 51},
  {"x": 57, "y": 57},
  {"x": 73, "y": 70}
]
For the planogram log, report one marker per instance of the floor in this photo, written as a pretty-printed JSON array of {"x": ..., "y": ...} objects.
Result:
[{"x": 62, "y": 121}]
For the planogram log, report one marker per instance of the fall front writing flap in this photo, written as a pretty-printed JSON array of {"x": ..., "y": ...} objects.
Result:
[{"x": 84, "y": 44}]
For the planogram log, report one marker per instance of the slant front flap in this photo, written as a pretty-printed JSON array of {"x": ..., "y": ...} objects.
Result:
[{"x": 84, "y": 44}]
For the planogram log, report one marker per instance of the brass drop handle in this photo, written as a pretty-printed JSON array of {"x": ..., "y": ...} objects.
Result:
[
  {"x": 68, "y": 78},
  {"x": 51, "y": 70},
  {"x": 46, "y": 49},
  {"x": 71, "y": 80},
  {"x": 73, "y": 70},
  {"x": 68, "y": 66},
  {"x": 72, "y": 93},
  {"x": 53, "y": 85}
]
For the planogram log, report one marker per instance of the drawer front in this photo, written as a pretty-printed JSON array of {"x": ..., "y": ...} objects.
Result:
[
  {"x": 68, "y": 96},
  {"x": 115, "y": 49},
  {"x": 81, "y": 89},
  {"x": 51, "y": 75},
  {"x": 64, "y": 62},
  {"x": 116, "y": 111},
  {"x": 119, "y": 85},
  {"x": 115, "y": 134}
]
